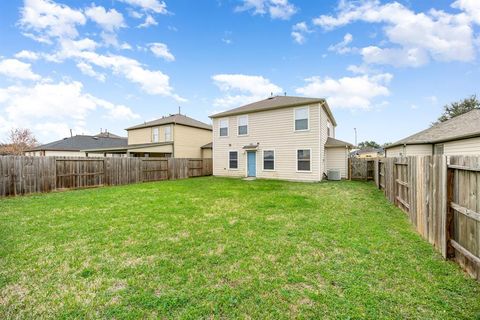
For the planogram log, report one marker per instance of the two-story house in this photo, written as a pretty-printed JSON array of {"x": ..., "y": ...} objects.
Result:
[
  {"x": 282, "y": 137},
  {"x": 176, "y": 136}
]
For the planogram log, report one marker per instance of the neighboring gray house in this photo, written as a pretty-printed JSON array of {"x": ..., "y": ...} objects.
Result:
[
  {"x": 282, "y": 137},
  {"x": 457, "y": 136},
  {"x": 73, "y": 146}
]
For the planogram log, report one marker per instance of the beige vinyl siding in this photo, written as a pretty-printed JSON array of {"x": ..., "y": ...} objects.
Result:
[
  {"x": 206, "y": 153},
  {"x": 273, "y": 130},
  {"x": 145, "y": 135},
  {"x": 462, "y": 147},
  {"x": 155, "y": 149},
  {"x": 410, "y": 150},
  {"x": 337, "y": 158},
  {"x": 67, "y": 154},
  {"x": 189, "y": 140}
]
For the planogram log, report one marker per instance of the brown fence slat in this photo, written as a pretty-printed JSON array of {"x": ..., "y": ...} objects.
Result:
[{"x": 24, "y": 175}]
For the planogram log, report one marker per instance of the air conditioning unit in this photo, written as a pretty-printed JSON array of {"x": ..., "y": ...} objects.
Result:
[{"x": 334, "y": 174}]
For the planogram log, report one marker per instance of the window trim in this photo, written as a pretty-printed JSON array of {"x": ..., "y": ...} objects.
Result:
[
  {"x": 308, "y": 119},
  {"x": 296, "y": 163},
  {"x": 220, "y": 127},
  {"x": 238, "y": 160},
  {"x": 274, "y": 160},
  {"x": 155, "y": 129},
  {"x": 238, "y": 125}
]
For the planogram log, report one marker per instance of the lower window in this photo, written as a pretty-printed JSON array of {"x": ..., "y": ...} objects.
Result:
[
  {"x": 303, "y": 160},
  {"x": 233, "y": 160},
  {"x": 268, "y": 160}
]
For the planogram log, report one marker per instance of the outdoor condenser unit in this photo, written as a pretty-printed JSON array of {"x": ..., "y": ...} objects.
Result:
[{"x": 334, "y": 174}]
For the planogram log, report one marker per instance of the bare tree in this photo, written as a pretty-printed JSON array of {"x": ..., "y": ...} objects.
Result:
[{"x": 19, "y": 141}]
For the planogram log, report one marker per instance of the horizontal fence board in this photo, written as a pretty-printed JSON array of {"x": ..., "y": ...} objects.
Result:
[{"x": 21, "y": 175}]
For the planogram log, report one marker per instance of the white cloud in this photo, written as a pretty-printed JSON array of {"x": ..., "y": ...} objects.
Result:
[
  {"x": 414, "y": 57},
  {"x": 17, "y": 69},
  {"x": 87, "y": 69},
  {"x": 342, "y": 47},
  {"x": 161, "y": 50},
  {"x": 110, "y": 20},
  {"x": 423, "y": 36},
  {"x": 55, "y": 108},
  {"x": 149, "y": 21},
  {"x": 471, "y": 7},
  {"x": 152, "y": 82},
  {"x": 348, "y": 92},
  {"x": 27, "y": 55},
  {"x": 149, "y": 5},
  {"x": 299, "y": 30},
  {"x": 242, "y": 89},
  {"x": 277, "y": 9},
  {"x": 47, "y": 19}
]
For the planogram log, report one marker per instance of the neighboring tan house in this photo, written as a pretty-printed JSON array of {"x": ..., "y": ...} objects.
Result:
[
  {"x": 74, "y": 146},
  {"x": 282, "y": 137},
  {"x": 367, "y": 153},
  {"x": 175, "y": 136},
  {"x": 457, "y": 136}
]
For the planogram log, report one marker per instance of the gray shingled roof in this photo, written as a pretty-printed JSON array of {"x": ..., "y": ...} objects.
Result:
[
  {"x": 466, "y": 125},
  {"x": 81, "y": 142},
  {"x": 175, "y": 118},
  {"x": 332, "y": 143},
  {"x": 275, "y": 102}
]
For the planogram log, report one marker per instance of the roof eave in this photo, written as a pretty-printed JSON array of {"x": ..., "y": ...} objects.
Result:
[{"x": 228, "y": 113}]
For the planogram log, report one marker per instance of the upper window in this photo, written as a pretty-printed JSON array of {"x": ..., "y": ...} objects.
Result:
[
  {"x": 242, "y": 125},
  {"x": 268, "y": 160},
  {"x": 223, "y": 127},
  {"x": 155, "y": 135},
  {"x": 329, "y": 129},
  {"x": 233, "y": 160},
  {"x": 301, "y": 119},
  {"x": 168, "y": 133},
  {"x": 304, "y": 160}
]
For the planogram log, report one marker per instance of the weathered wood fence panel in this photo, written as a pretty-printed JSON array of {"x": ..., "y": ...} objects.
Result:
[
  {"x": 441, "y": 197},
  {"x": 24, "y": 175},
  {"x": 362, "y": 169}
]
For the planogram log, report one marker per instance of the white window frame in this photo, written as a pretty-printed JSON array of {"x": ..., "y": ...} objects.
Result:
[
  {"x": 220, "y": 127},
  {"x": 295, "y": 118},
  {"x": 155, "y": 135},
  {"x": 296, "y": 163},
  {"x": 238, "y": 125},
  {"x": 169, "y": 136},
  {"x": 329, "y": 129},
  {"x": 274, "y": 160},
  {"x": 238, "y": 159}
]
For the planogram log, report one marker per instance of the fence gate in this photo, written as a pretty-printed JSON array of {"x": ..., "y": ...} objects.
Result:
[
  {"x": 154, "y": 169},
  {"x": 361, "y": 169},
  {"x": 79, "y": 173},
  {"x": 463, "y": 217},
  {"x": 381, "y": 175},
  {"x": 402, "y": 198}
]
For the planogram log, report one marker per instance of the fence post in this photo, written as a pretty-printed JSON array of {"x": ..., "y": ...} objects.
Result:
[{"x": 449, "y": 251}]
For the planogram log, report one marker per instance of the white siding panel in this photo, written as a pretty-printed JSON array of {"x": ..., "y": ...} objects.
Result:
[
  {"x": 337, "y": 158},
  {"x": 272, "y": 130},
  {"x": 462, "y": 147},
  {"x": 410, "y": 150}
]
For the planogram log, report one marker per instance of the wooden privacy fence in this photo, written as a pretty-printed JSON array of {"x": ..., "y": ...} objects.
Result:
[
  {"x": 24, "y": 175},
  {"x": 441, "y": 196}
]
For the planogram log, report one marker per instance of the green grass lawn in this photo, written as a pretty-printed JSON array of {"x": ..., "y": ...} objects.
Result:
[{"x": 223, "y": 248}]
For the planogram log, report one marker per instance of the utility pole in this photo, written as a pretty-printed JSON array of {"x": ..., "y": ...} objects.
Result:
[{"x": 355, "y": 137}]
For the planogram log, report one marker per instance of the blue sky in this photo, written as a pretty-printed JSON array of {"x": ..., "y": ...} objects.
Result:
[{"x": 386, "y": 68}]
